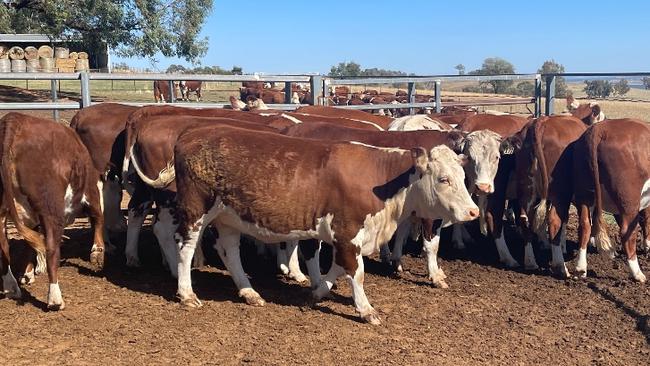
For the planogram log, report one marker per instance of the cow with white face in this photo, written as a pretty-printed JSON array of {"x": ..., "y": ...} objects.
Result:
[{"x": 365, "y": 193}]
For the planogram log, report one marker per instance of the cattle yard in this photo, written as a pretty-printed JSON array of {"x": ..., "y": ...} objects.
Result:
[{"x": 490, "y": 314}]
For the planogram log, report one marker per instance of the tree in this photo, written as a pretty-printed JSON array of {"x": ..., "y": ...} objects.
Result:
[
  {"x": 525, "y": 89},
  {"x": 173, "y": 69},
  {"x": 131, "y": 27},
  {"x": 553, "y": 67},
  {"x": 646, "y": 82},
  {"x": 621, "y": 87},
  {"x": 236, "y": 70},
  {"x": 346, "y": 69},
  {"x": 598, "y": 88},
  {"x": 495, "y": 66},
  {"x": 460, "y": 68}
]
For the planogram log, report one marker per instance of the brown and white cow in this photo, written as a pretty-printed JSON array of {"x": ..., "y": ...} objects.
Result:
[
  {"x": 418, "y": 122},
  {"x": 188, "y": 87},
  {"x": 47, "y": 179},
  {"x": 263, "y": 185},
  {"x": 589, "y": 113},
  {"x": 611, "y": 171},
  {"x": 543, "y": 153},
  {"x": 101, "y": 129},
  {"x": 381, "y": 121},
  {"x": 161, "y": 91}
]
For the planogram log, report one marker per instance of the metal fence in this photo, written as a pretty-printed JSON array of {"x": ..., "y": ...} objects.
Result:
[{"x": 319, "y": 88}]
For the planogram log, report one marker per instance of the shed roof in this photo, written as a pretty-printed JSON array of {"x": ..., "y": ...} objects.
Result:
[{"x": 28, "y": 38}]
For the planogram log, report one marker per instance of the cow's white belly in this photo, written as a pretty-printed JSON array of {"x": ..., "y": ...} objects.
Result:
[
  {"x": 645, "y": 195},
  {"x": 227, "y": 216}
]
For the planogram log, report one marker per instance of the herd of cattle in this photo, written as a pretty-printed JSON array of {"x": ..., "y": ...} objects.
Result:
[{"x": 320, "y": 174}]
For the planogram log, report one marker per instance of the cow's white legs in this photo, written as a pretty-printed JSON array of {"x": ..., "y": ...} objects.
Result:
[
  {"x": 557, "y": 262},
  {"x": 186, "y": 247},
  {"x": 54, "y": 297},
  {"x": 111, "y": 194},
  {"x": 281, "y": 259},
  {"x": 361, "y": 302},
  {"x": 401, "y": 234},
  {"x": 636, "y": 270},
  {"x": 529, "y": 257},
  {"x": 313, "y": 268},
  {"x": 504, "y": 253},
  {"x": 436, "y": 275},
  {"x": 228, "y": 248},
  {"x": 457, "y": 236},
  {"x": 294, "y": 264},
  {"x": 328, "y": 281},
  {"x": 136, "y": 219},
  {"x": 581, "y": 266},
  {"x": 164, "y": 229},
  {"x": 10, "y": 285}
]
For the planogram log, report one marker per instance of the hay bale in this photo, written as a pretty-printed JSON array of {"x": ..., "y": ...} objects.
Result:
[
  {"x": 81, "y": 65},
  {"x": 32, "y": 65},
  {"x": 31, "y": 53},
  {"x": 65, "y": 62},
  {"x": 66, "y": 69},
  {"x": 61, "y": 52},
  {"x": 45, "y": 52},
  {"x": 82, "y": 55},
  {"x": 16, "y": 53},
  {"x": 18, "y": 66},
  {"x": 47, "y": 64},
  {"x": 4, "y": 52},
  {"x": 73, "y": 56}
]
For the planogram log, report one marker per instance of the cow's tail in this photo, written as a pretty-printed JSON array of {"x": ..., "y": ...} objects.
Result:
[
  {"x": 539, "y": 221},
  {"x": 599, "y": 229},
  {"x": 165, "y": 177},
  {"x": 7, "y": 172}
]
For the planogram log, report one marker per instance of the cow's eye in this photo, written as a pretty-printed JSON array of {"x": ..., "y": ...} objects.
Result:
[{"x": 443, "y": 180}]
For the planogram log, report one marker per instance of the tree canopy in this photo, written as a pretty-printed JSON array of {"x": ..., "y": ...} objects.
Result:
[
  {"x": 553, "y": 67},
  {"x": 354, "y": 69},
  {"x": 131, "y": 27},
  {"x": 495, "y": 66},
  {"x": 214, "y": 70}
]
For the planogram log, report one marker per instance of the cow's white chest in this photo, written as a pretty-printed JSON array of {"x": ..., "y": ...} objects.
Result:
[
  {"x": 645, "y": 195},
  {"x": 377, "y": 229}
]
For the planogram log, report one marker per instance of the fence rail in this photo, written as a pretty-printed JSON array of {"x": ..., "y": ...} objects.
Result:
[{"x": 320, "y": 86}]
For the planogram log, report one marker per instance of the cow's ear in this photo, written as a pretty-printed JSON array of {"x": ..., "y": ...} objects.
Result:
[
  {"x": 420, "y": 158},
  {"x": 507, "y": 147}
]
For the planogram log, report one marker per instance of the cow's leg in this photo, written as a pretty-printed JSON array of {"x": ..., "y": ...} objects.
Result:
[
  {"x": 329, "y": 279},
  {"x": 384, "y": 254},
  {"x": 164, "y": 229},
  {"x": 522, "y": 222},
  {"x": 281, "y": 258},
  {"x": 9, "y": 284},
  {"x": 186, "y": 246},
  {"x": 584, "y": 233},
  {"x": 53, "y": 233},
  {"x": 228, "y": 248},
  {"x": 111, "y": 191},
  {"x": 557, "y": 217},
  {"x": 645, "y": 229},
  {"x": 139, "y": 207},
  {"x": 356, "y": 278},
  {"x": 401, "y": 234},
  {"x": 311, "y": 252},
  {"x": 457, "y": 236},
  {"x": 294, "y": 264},
  {"x": 628, "y": 238},
  {"x": 96, "y": 217},
  {"x": 431, "y": 240}
]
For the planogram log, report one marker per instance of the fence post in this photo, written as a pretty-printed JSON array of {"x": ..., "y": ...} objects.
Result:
[
  {"x": 55, "y": 97},
  {"x": 437, "y": 95},
  {"x": 411, "y": 95},
  {"x": 287, "y": 92},
  {"x": 171, "y": 91},
  {"x": 316, "y": 84},
  {"x": 538, "y": 96},
  {"x": 550, "y": 94},
  {"x": 85, "y": 89}
]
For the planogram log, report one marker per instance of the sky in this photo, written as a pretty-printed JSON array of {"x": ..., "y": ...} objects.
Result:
[{"x": 423, "y": 37}]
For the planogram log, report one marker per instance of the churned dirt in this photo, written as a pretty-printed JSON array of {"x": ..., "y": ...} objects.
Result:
[{"x": 489, "y": 315}]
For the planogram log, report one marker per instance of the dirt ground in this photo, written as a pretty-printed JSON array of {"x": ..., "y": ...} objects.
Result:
[{"x": 489, "y": 315}]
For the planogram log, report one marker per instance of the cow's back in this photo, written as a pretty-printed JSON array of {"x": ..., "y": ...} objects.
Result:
[
  {"x": 504, "y": 125},
  {"x": 382, "y": 121}
]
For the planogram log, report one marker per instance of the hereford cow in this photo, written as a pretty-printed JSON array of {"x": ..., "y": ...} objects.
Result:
[
  {"x": 366, "y": 192},
  {"x": 611, "y": 171},
  {"x": 161, "y": 91},
  {"x": 381, "y": 121},
  {"x": 47, "y": 178},
  {"x": 101, "y": 129},
  {"x": 543, "y": 151},
  {"x": 418, "y": 122},
  {"x": 480, "y": 148},
  {"x": 188, "y": 87}
]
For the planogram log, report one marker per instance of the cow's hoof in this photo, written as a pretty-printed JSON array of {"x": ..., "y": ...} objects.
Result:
[
  {"x": 28, "y": 278},
  {"x": 396, "y": 265},
  {"x": 190, "y": 301},
  {"x": 284, "y": 269},
  {"x": 56, "y": 307},
  {"x": 639, "y": 277},
  {"x": 560, "y": 271},
  {"x": 97, "y": 257},
  {"x": 299, "y": 277},
  {"x": 440, "y": 284},
  {"x": 133, "y": 262},
  {"x": 531, "y": 266},
  {"x": 10, "y": 288},
  {"x": 510, "y": 263},
  {"x": 252, "y": 297},
  {"x": 371, "y": 317}
]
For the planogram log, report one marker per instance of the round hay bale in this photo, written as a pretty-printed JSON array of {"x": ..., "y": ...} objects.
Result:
[
  {"x": 4, "y": 52},
  {"x": 5, "y": 65},
  {"x": 73, "y": 56},
  {"x": 61, "y": 52},
  {"x": 45, "y": 51},
  {"x": 82, "y": 55},
  {"x": 47, "y": 64},
  {"x": 81, "y": 65},
  {"x": 31, "y": 53},
  {"x": 16, "y": 53},
  {"x": 18, "y": 66},
  {"x": 33, "y": 65}
]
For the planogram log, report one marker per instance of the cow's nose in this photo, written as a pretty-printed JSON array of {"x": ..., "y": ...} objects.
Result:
[
  {"x": 473, "y": 213},
  {"x": 483, "y": 187}
]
